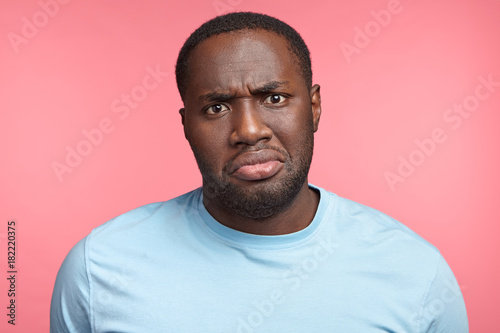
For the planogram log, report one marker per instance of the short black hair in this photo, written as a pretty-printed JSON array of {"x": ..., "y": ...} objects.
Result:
[{"x": 242, "y": 21}]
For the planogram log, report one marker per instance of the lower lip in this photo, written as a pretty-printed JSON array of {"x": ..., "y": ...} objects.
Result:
[{"x": 258, "y": 171}]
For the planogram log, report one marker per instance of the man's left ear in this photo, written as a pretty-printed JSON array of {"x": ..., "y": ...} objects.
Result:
[{"x": 315, "y": 105}]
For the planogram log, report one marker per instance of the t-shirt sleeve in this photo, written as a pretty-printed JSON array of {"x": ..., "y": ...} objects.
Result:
[
  {"x": 443, "y": 309},
  {"x": 69, "y": 309}
]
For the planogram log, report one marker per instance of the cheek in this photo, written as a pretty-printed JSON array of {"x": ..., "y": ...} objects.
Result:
[
  {"x": 200, "y": 135},
  {"x": 291, "y": 128},
  {"x": 208, "y": 144}
]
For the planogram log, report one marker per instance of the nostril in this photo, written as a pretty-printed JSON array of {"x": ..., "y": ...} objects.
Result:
[{"x": 249, "y": 128}]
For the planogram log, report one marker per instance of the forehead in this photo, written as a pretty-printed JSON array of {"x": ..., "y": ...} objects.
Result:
[{"x": 240, "y": 59}]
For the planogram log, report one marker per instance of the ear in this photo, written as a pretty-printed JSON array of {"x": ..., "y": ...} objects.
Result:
[
  {"x": 182, "y": 112},
  {"x": 315, "y": 105}
]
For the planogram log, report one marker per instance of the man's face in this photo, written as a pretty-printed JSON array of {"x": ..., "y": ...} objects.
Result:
[{"x": 249, "y": 118}]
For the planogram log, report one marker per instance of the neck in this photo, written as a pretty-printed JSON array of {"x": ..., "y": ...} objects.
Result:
[{"x": 297, "y": 216}]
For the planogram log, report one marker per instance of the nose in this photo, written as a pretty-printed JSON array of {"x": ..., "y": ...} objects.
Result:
[{"x": 248, "y": 127}]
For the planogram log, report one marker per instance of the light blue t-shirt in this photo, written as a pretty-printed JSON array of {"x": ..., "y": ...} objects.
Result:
[{"x": 171, "y": 267}]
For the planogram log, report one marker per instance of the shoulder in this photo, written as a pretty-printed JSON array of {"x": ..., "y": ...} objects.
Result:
[
  {"x": 131, "y": 230},
  {"x": 377, "y": 243},
  {"x": 149, "y": 215},
  {"x": 71, "y": 292},
  {"x": 369, "y": 223},
  {"x": 373, "y": 238},
  {"x": 106, "y": 250}
]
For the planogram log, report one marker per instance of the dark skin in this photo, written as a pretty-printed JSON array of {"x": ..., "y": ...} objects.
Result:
[{"x": 247, "y": 105}]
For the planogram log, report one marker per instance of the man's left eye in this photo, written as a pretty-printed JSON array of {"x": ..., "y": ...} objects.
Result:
[{"x": 274, "y": 99}]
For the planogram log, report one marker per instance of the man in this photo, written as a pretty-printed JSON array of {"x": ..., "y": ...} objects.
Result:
[{"x": 257, "y": 248}]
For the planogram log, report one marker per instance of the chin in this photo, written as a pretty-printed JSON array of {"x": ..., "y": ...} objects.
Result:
[{"x": 256, "y": 199}]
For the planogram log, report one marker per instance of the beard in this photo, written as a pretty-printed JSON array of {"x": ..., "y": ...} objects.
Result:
[{"x": 262, "y": 198}]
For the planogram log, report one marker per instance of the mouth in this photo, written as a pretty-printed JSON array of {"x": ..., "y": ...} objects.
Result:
[{"x": 256, "y": 165}]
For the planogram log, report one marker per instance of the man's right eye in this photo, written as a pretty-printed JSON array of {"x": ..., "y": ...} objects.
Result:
[{"x": 216, "y": 109}]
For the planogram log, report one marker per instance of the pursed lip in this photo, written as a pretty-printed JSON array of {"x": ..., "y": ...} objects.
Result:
[{"x": 260, "y": 156}]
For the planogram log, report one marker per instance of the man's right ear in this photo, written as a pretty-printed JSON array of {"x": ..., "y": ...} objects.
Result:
[{"x": 182, "y": 113}]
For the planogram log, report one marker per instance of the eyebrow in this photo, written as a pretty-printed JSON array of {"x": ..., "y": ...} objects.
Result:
[
  {"x": 221, "y": 97},
  {"x": 268, "y": 87}
]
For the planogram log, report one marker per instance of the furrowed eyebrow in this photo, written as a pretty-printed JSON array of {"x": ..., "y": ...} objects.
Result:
[
  {"x": 221, "y": 97},
  {"x": 216, "y": 97},
  {"x": 268, "y": 87}
]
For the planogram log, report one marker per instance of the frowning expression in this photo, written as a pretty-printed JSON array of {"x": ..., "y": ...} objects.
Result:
[{"x": 250, "y": 117}]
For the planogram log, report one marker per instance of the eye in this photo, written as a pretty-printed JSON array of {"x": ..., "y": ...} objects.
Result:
[
  {"x": 274, "y": 99},
  {"x": 216, "y": 109}
]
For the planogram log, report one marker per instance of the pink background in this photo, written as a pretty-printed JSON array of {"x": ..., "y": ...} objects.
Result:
[{"x": 68, "y": 73}]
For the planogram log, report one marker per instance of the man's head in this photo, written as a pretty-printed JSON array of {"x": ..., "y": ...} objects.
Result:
[
  {"x": 249, "y": 115},
  {"x": 242, "y": 21}
]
